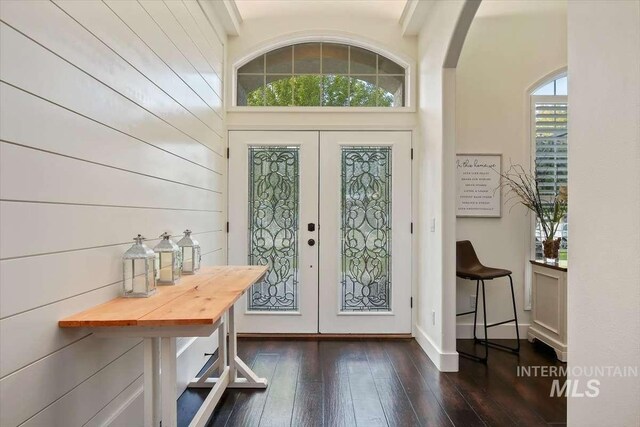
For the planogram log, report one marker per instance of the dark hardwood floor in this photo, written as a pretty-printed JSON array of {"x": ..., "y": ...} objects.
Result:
[{"x": 383, "y": 383}]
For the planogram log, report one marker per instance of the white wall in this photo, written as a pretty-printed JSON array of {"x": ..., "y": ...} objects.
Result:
[
  {"x": 604, "y": 203},
  {"x": 112, "y": 125},
  {"x": 435, "y": 326},
  {"x": 510, "y": 46}
]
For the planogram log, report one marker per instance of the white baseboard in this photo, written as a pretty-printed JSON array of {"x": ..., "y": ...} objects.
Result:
[
  {"x": 445, "y": 362},
  {"x": 506, "y": 331}
]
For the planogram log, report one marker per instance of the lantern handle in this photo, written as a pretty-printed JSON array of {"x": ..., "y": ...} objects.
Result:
[
  {"x": 139, "y": 238},
  {"x": 165, "y": 235}
]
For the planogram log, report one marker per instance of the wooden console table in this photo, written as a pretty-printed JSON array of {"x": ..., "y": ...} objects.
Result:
[
  {"x": 549, "y": 306},
  {"x": 193, "y": 308}
]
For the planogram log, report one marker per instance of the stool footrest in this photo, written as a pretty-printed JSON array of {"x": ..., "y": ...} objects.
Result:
[
  {"x": 500, "y": 346},
  {"x": 500, "y": 323},
  {"x": 465, "y": 313},
  {"x": 473, "y": 357}
]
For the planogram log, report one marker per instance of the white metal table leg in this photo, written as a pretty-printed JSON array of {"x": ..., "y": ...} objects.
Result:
[
  {"x": 152, "y": 382},
  {"x": 169, "y": 382}
]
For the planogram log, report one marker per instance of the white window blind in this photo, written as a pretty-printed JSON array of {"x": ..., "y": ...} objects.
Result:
[{"x": 550, "y": 126}]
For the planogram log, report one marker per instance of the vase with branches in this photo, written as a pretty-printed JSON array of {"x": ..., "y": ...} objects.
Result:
[{"x": 523, "y": 188}]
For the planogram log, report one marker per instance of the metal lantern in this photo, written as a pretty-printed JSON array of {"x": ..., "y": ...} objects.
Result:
[
  {"x": 190, "y": 249},
  {"x": 139, "y": 270},
  {"x": 169, "y": 261}
]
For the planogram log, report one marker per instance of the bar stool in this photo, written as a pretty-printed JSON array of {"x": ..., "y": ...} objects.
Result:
[{"x": 468, "y": 266}]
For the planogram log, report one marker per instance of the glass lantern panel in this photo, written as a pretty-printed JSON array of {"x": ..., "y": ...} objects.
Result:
[
  {"x": 150, "y": 277},
  {"x": 187, "y": 259},
  {"x": 177, "y": 268},
  {"x": 138, "y": 276},
  {"x": 156, "y": 261},
  {"x": 197, "y": 257},
  {"x": 166, "y": 267},
  {"x": 366, "y": 229},
  {"x": 127, "y": 283}
]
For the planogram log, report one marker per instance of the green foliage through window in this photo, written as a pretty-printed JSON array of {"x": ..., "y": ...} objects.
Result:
[{"x": 332, "y": 75}]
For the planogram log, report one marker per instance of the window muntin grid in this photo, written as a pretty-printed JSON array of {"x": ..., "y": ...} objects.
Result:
[{"x": 321, "y": 74}]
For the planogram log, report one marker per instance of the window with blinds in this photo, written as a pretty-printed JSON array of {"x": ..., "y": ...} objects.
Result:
[{"x": 550, "y": 127}]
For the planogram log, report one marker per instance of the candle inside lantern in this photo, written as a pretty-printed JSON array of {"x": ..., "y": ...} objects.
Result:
[
  {"x": 168, "y": 259},
  {"x": 187, "y": 258},
  {"x": 139, "y": 278},
  {"x": 166, "y": 267}
]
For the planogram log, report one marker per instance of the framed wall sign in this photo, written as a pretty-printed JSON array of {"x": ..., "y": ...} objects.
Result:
[{"x": 477, "y": 185}]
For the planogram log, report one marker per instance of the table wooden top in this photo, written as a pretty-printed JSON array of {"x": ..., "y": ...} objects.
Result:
[{"x": 199, "y": 299}]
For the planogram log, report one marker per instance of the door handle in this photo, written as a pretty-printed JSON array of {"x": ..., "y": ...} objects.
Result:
[{"x": 311, "y": 242}]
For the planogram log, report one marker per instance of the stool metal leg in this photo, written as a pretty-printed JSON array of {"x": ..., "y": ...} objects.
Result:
[
  {"x": 475, "y": 318},
  {"x": 486, "y": 331},
  {"x": 515, "y": 316},
  {"x": 475, "y": 312},
  {"x": 486, "y": 341}
]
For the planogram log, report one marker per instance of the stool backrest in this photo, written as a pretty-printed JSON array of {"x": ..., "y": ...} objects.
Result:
[{"x": 466, "y": 258}]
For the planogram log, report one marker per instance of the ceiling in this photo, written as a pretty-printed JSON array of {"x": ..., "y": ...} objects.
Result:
[
  {"x": 494, "y": 8},
  {"x": 256, "y": 9}
]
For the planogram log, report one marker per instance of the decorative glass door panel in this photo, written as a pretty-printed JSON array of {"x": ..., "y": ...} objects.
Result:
[
  {"x": 366, "y": 228},
  {"x": 273, "y": 226},
  {"x": 273, "y": 196}
]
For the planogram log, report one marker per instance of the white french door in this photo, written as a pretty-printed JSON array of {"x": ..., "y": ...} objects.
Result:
[
  {"x": 365, "y": 234},
  {"x": 273, "y": 196},
  {"x": 330, "y": 213}
]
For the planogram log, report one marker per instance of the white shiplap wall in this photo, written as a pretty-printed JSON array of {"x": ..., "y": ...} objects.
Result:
[{"x": 111, "y": 124}]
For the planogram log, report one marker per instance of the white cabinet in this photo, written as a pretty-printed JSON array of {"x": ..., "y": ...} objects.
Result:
[{"x": 549, "y": 297}]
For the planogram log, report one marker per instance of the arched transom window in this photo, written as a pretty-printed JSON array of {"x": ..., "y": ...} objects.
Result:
[{"x": 321, "y": 75}]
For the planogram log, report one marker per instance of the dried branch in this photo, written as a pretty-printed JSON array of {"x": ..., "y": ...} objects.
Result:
[{"x": 523, "y": 188}]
